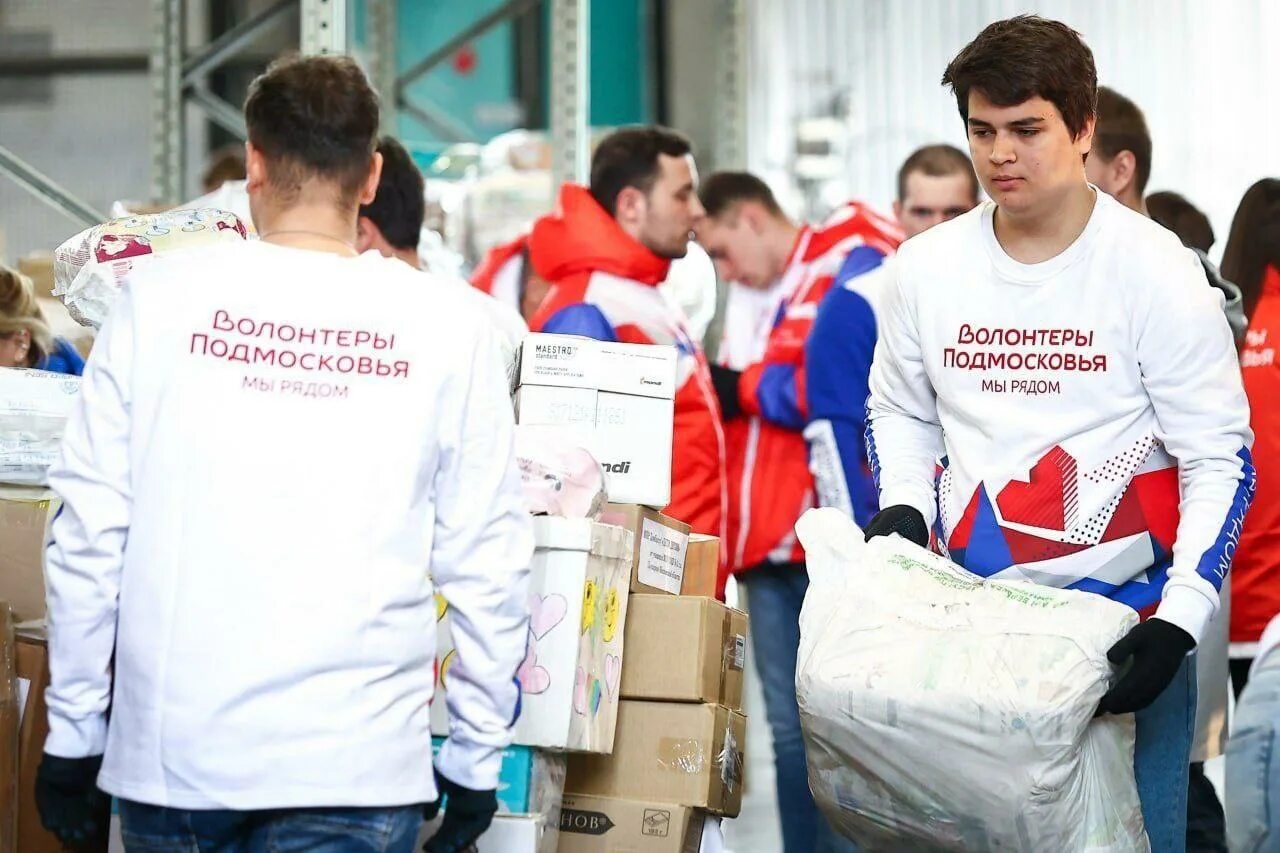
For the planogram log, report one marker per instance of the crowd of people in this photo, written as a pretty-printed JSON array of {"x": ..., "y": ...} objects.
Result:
[{"x": 1045, "y": 385}]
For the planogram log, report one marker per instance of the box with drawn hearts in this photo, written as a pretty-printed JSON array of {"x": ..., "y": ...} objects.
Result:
[{"x": 578, "y": 590}]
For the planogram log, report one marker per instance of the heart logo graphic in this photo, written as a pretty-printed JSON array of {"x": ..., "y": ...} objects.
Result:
[
  {"x": 546, "y": 612},
  {"x": 1048, "y": 499},
  {"x": 534, "y": 679},
  {"x": 612, "y": 673}
]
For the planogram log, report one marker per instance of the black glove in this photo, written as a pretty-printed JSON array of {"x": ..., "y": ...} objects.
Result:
[
  {"x": 70, "y": 804},
  {"x": 906, "y": 521},
  {"x": 466, "y": 816},
  {"x": 1158, "y": 649},
  {"x": 726, "y": 382}
]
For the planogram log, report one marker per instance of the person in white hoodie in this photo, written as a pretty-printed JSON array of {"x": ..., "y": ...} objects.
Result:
[
  {"x": 1066, "y": 361},
  {"x": 278, "y": 447}
]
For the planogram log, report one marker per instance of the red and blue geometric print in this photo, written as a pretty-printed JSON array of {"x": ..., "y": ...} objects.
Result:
[{"x": 1035, "y": 520}]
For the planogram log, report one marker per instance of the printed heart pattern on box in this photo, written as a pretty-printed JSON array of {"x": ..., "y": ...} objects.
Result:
[
  {"x": 545, "y": 613},
  {"x": 534, "y": 679},
  {"x": 612, "y": 673}
]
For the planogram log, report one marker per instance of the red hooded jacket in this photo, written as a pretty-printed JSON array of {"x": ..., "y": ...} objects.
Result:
[
  {"x": 604, "y": 285},
  {"x": 1255, "y": 570}
]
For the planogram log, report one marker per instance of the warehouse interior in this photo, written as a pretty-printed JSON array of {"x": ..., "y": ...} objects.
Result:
[{"x": 112, "y": 109}]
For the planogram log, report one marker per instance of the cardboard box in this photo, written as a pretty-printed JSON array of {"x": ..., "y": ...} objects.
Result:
[
  {"x": 510, "y": 834},
  {"x": 660, "y": 546},
  {"x": 26, "y": 512},
  {"x": 683, "y": 649},
  {"x": 669, "y": 752},
  {"x": 531, "y": 781},
  {"x": 602, "y": 825},
  {"x": 570, "y": 677},
  {"x": 38, "y": 266},
  {"x": 701, "y": 566},
  {"x": 617, "y": 399}
]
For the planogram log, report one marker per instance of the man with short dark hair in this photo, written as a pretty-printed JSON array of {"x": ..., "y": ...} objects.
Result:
[
  {"x": 936, "y": 183},
  {"x": 391, "y": 225},
  {"x": 762, "y": 398},
  {"x": 1076, "y": 382},
  {"x": 266, "y": 480},
  {"x": 1120, "y": 165},
  {"x": 605, "y": 251}
]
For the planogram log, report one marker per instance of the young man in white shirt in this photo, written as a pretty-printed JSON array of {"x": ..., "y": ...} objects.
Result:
[
  {"x": 1064, "y": 358},
  {"x": 266, "y": 470}
]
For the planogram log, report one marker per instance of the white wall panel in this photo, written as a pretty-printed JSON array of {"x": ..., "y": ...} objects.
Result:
[{"x": 1206, "y": 74}]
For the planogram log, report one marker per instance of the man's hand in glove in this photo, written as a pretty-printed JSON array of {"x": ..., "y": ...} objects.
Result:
[
  {"x": 726, "y": 385},
  {"x": 70, "y": 804},
  {"x": 1158, "y": 649},
  {"x": 903, "y": 520},
  {"x": 467, "y": 816}
]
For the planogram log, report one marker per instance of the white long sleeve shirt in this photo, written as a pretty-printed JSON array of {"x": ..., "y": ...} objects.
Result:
[
  {"x": 274, "y": 453},
  {"x": 1087, "y": 411}
]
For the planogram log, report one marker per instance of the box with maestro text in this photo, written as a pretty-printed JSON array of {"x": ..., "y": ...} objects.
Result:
[{"x": 618, "y": 399}]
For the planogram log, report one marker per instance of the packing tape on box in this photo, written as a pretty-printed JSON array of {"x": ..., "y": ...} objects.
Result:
[
  {"x": 681, "y": 755},
  {"x": 730, "y": 760}
]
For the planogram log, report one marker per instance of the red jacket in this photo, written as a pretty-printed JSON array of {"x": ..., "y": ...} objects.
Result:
[
  {"x": 770, "y": 486},
  {"x": 499, "y": 273},
  {"x": 604, "y": 285},
  {"x": 1255, "y": 570}
]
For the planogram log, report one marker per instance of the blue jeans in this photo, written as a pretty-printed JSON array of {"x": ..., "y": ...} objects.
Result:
[
  {"x": 1162, "y": 758},
  {"x": 152, "y": 829},
  {"x": 774, "y": 595},
  {"x": 1253, "y": 775}
]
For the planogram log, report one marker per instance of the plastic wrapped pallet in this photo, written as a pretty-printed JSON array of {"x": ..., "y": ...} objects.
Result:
[
  {"x": 34, "y": 405},
  {"x": 942, "y": 711},
  {"x": 88, "y": 269}
]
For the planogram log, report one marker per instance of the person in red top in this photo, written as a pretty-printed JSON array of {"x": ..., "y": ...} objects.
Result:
[
  {"x": 604, "y": 252},
  {"x": 762, "y": 394},
  {"x": 1252, "y": 260},
  {"x": 506, "y": 274}
]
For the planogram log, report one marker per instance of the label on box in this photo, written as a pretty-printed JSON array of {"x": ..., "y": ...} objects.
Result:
[
  {"x": 737, "y": 652},
  {"x": 583, "y": 822},
  {"x": 656, "y": 823},
  {"x": 661, "y": 563}
]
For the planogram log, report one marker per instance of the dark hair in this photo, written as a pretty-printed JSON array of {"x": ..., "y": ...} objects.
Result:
[
  {"x": 1182, "y": 218},
  {"x": 723, "y": 190},
  {"x": 314, "y": 116},
  {"x": 629, "y": 158},
  {"x": 1122, "y": 127},
  {"x": 225, "y": 164},
  {"x": 1025, "y": 57},
  {"x": 937, "y": 161},
  {"x": 1254, "y": 241},
  {"x": 400, "y": 206}
]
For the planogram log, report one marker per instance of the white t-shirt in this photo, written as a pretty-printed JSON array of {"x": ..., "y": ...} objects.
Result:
[
  {"x": 266, "y": 469},
  {"x": 1074, "y": 404}
]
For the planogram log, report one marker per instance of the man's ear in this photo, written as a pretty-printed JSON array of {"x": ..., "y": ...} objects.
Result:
[
  {"x": 370, "y": 189},
  {"x": 255, "y": 168},
  {"x": 368, "y": 235},
  {"x": 1125, "y": 167},
  {"x": 897, "y": 209},
  {"x": 631, "y": 205}
]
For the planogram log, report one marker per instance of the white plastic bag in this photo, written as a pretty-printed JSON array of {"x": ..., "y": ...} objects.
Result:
[
  {"x": 34, "y": 405},
  {"x": 88, "y": 268},
  {"x": 942, "y": 711}
]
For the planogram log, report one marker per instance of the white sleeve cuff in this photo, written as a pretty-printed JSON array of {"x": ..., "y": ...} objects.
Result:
[
  {"x": 1187, "y": 608},
  {"x": 922, "y": 500},
  {"x": 471, "y": 766},
  {"x": 76, "y": 738}
]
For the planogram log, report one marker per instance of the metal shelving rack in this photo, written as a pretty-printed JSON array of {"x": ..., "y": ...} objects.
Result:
[{"x": 179, "y": 77}]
